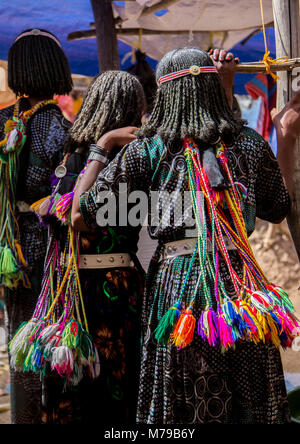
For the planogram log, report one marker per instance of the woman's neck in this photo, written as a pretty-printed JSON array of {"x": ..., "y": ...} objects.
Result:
[{"x": 34, "y": 100}]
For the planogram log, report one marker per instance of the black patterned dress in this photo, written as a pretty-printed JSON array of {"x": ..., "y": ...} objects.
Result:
[
  {"x": 46, "y": 132},
  {"x": 200, "y": 384}
]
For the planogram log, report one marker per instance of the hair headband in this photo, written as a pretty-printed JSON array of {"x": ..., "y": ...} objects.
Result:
[
  {"x": 193, "y": 70},
  {"x": 38, "y": 32}
]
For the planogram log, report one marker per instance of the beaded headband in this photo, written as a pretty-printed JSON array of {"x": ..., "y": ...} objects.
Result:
[
  {"x": 193, "y": 70},
  {"x": 38, "y": 32}
]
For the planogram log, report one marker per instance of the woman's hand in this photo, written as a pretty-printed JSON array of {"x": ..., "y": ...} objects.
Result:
[
  {"x": 117, "y": 138},
  {"x": 113, "y": 139},
  {"x": 287, "y": 121},
  {"x": 287, "y": 124},
  {"x": 226, "y": 64}
]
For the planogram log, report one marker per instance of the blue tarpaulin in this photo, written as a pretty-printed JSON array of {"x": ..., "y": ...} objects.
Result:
[{"x": 64, "y": 16}]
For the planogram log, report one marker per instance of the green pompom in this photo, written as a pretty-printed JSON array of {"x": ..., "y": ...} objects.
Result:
[
  {"x": 70, "y": 335},
  {"x": 28, "y": 366},
  {"x": 8, "y": 263},
  {"x": 167, "y": 323}
]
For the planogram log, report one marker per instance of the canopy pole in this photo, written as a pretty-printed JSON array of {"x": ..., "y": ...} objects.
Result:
[
  {"x": 107, "y": 42},
  {"x": 287, "y": 34}
]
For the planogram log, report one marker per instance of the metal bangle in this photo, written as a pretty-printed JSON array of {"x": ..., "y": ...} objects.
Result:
[
  {"x": 98, "y": 157},
  {"x": 97, "y": 149}
]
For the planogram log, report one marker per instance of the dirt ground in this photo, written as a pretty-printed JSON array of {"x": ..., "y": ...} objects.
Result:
[{"x": 277, "y": 256}]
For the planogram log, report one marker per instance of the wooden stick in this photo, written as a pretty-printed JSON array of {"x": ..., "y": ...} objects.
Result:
[
  {"x": 254, "y": 67},
  {"x": 91, "y": 34}
]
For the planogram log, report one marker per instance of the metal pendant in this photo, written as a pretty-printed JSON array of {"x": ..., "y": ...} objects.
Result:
[{"x": 60, "y": 171}]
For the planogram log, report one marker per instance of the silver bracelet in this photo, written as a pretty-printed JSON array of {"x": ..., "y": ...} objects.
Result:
[
  {"x": 97, "y": 149},
  {"x": 98, "y": 157}
]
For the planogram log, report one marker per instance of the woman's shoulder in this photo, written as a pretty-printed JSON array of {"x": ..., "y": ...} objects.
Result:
[
  {"x": 250, "y": 141},
  {"x": 54, "y": 116},
  {"x": 148, "y": 147},
  {"x": 249, "y": 134},
  {"x": 6, "y": 113}
]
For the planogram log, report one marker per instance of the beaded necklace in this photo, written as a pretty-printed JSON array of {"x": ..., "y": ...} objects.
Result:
[
  {"x": 12, "y": 261},
  {"x": 260, "y": 311}
]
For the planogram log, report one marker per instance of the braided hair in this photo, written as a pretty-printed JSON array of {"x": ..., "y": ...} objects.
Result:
[
  {"x": 38, "y": 67},
  {"x": 115, "y": 99},
  {"x": 194, "y": 106}
]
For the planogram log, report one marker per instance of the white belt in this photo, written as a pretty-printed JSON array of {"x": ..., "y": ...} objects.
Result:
[
  {"x": 187, "y": 246},
  {"x": 97, "y": 261}
]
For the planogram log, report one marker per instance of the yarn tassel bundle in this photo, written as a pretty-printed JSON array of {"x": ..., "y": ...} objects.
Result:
[
  {"x": 13, "y": 263},
  {"x": 56, "y": 339},
  {"x": 260, "y": 311}
]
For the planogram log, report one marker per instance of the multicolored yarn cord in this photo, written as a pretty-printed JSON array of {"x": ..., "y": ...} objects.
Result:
[
  {"x": 57, "y": 337},
  {"x": 260, "y": 311},
  {"x": 12, "y": 261}
]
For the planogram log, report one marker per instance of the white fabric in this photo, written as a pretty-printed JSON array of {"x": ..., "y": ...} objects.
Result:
[{"x": 223, "y": 23}]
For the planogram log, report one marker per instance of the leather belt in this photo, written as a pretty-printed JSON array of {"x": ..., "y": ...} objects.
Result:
[
  {"x": 187, "y": 246},
  {"x": 97, "y": 261}
]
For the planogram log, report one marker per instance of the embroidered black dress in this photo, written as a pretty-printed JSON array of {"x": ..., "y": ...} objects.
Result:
[
  {"x": 200, "y": 384},
  {"x": 46, "y": 132}
]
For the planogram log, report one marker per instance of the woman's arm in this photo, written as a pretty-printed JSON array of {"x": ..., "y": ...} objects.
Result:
[
  {"x": 226, "y": 64},
  {"x": 112, "y": 139}
]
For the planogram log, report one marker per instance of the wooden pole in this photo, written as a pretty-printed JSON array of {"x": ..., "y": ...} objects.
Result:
[
  {"x": 107, "y": 42},
  {"x": 287, "y": 32},
  {"x": 91, "y": 34}
]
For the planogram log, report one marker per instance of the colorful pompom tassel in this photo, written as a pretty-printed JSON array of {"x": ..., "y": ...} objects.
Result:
[
  {"x": 39, "y": 327},
  {"x": 37, "y": 360},
  {"x": 95, "y": 368},
  {"x": 62, "y": 360},
  {"x": 233, "y": 318},
  {"x": 38, "y": 204},
  {"x": 208, "y": 327},
  {"x": 253, "y": 328},
  {"x": 274, "y": 328},
  {"x": 47, "y": 334},
  {"x": 53, "y": 343},
  {"x": 225, "y": 331},
  {"x": 167, "y": 323},
  {"x": 64, "y": 206},
  {"x": 19, "y": 346},
  {"x": 28, "y": 365},
  {"x": 70, "y": 335},
  {"x": 86, "y": 352},
  {"x": 20, "y": 255},
  {"x": 8, "y": 263},
  {"x": 184, "y": 329}
]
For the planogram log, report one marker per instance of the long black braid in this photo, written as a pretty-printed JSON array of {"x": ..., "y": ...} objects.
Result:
[
  {"x": 38, "y": 67},
  {"x": 194, "y": 106},
  {"x": 115, "y": 99}
]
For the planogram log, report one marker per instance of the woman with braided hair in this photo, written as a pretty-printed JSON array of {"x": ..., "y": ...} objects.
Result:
[
  {"x": 32, "y": 135},
  {"x": 110, "y": 275},
  {"x": 211, "y": 321}
]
